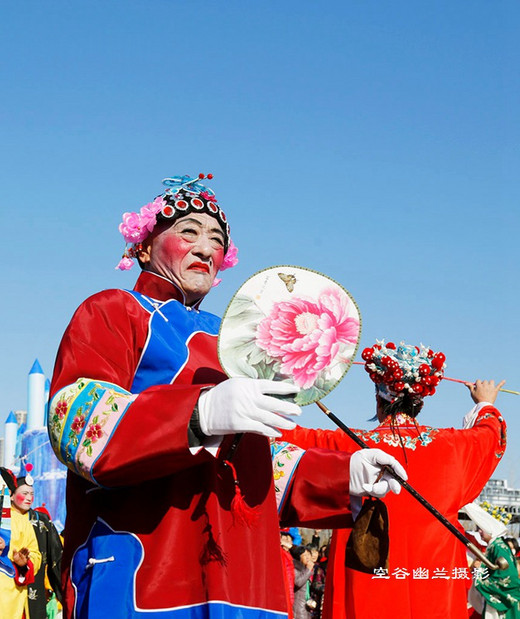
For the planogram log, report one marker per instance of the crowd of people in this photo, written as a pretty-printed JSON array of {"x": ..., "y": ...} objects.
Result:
[
  {"x": 308, "y": 579},
  {"x": 306, "y": 570},
  {"x": 170, "y": 458}
]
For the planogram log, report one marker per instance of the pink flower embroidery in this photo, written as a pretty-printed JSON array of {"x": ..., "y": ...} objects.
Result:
[
  {"x": 94, "y": 432},
  {"x": 306, "y": 335},
  {"x": 230, "y": 259},
  {"x": 61, "y": 409},
  {"x": 78, "y": 424}
]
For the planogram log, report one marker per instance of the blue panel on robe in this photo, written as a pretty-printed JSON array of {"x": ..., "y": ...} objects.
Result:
[
  {"x": 166, "y": 350},
  {"x": 6, "y": 567},
  {"x": 114, "y": 557}
]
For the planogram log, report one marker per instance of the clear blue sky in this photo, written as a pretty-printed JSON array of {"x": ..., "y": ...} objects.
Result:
[{"x": 374, "y": 141}]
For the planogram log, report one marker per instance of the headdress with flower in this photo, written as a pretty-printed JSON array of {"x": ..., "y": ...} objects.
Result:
[
  {"x": 403, "y": 369},
  {"x": 184, "y": 195}
]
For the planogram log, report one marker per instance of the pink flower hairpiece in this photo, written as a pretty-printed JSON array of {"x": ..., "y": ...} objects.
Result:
[
  {"x": 125, "y": 264},
  {"x": 135, "y": 227},
  {"x": 230, "y": 260}
]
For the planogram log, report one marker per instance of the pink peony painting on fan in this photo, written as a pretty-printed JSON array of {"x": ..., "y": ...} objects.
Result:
[{"x": 294, "y": 324}]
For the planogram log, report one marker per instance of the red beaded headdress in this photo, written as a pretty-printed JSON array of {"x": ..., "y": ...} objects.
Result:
[{"x": 397, "y": 370}]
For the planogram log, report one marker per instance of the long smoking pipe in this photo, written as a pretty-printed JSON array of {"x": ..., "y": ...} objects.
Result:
[{"x": 501, "y": 562}]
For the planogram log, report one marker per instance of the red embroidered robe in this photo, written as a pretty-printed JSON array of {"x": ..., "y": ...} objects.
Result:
[
  {"x": 427, "y": 575},
  {"x": 149, "y": 526}
]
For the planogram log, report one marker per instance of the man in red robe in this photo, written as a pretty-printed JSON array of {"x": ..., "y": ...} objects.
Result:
[
  {"x": 427, "y": 575},
  {"x": 171, "y": 509}
]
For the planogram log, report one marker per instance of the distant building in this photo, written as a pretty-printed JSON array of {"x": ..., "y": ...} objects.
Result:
[{"x": 497, "y": 492}]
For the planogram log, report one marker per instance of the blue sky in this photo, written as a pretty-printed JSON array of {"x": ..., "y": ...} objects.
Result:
[{"x": 376, "y": 142}]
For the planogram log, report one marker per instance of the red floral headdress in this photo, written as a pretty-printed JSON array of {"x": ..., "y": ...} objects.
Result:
[{"x": 397, "y": 370}]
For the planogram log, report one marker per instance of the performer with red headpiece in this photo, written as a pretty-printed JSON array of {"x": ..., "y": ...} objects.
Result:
[
  {"x": 169, "y": 515},
  {"x": 20, "y": 557},
  {"x": 427, "y": 575}
]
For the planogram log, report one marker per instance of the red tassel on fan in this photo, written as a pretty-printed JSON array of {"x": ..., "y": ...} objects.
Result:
[{"x": 240, "y": 510}]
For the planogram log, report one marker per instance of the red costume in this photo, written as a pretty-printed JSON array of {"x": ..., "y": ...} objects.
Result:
[
  {"x": 427, "y": 576},
  {"x": 149, "y": 525}
]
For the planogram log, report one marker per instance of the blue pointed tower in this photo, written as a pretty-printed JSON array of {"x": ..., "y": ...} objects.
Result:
[
  {"x": 48, "y": 472},
  {"x": 10, "y": 432},
  {"x": 36, "y": 397}
]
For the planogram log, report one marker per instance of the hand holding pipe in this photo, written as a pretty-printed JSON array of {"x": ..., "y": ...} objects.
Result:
[{"x": 501, "y": 562}]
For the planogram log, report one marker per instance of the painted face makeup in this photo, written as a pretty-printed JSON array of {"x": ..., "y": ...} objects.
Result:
[
  {"x": 23, "y": 498},
  {"x": 189, "y": 253}
]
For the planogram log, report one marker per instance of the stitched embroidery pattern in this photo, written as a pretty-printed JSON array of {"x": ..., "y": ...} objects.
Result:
[
  {"x": 105, "y": 417},
  {"x": 82, "y": 419},
  {"x": 285, "y": 458},
  {"x": 503, "y": 432},
  {"x": 385, "y": 434},
  {"x": 59, "y": 411}
]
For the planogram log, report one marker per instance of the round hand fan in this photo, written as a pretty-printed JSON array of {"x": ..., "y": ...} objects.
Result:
[{"x": 291, "y": 324}]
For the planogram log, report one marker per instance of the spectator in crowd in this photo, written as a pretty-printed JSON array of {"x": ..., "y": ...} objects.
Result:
[
  {"x": 286, "y": 543},
  {"x": 318, "y": 580},
  {"x": 303, "y": 568},
  {"x": 313, "y": 550}
]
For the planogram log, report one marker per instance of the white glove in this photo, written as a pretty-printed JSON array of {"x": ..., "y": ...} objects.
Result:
[
  {"x": 241, "y": 405},
  {"x": 365, "y": 466}
]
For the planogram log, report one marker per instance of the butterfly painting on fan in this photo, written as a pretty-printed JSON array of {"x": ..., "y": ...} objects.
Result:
[{"x": 289, "y": 280}]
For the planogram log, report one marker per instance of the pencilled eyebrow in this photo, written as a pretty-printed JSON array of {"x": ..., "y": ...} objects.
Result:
[{"x": 216, "y": 230}]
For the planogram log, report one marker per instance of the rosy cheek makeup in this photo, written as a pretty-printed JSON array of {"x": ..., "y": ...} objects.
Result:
[
  {"x": 218, "y": 256},
  {"x": 175, "y": 246}
]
